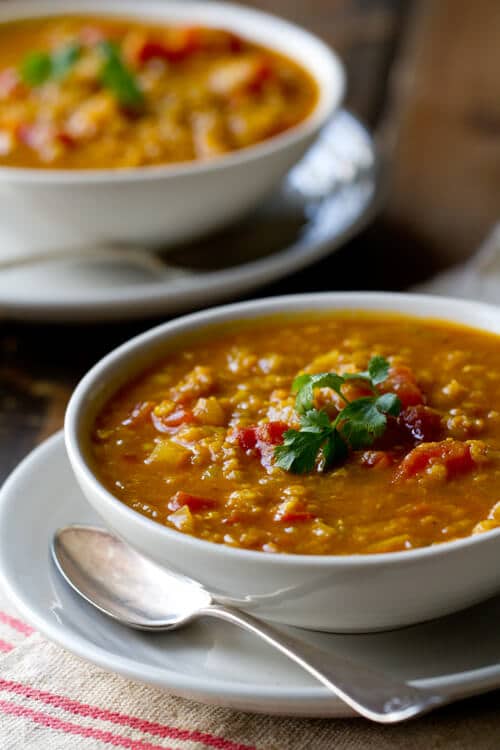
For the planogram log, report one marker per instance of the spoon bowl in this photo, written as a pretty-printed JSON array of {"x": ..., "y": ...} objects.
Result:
[{"x": 123, "y": 584}]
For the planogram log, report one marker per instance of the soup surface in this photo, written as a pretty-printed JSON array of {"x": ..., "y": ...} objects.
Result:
[
  {"x": 404, "y": 454},
  {"x": 85, "y": 92}
]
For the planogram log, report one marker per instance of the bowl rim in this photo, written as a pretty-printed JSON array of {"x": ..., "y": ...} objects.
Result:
[
  {"x": 329, "y": 97},
  {"x": 267, "y": 306}
]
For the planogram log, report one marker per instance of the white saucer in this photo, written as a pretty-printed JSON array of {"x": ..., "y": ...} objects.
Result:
[
  {"x": 210, "y": 661},
  {"x": 323, "y": 201}
]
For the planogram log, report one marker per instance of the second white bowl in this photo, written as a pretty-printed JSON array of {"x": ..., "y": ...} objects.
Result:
[{"x": 44, "y": 210}]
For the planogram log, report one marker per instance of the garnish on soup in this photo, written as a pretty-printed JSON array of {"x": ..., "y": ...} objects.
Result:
[
  {"x": 82, "y": 92},
  {"x": 330, "y": 434},
  {"x": 358, "y": 422}
]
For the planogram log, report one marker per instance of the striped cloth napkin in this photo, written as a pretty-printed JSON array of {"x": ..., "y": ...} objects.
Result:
[{"x": 52, "y": 700}]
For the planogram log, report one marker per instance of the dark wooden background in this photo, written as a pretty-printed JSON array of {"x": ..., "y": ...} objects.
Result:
[{"x": 425, "y": 76}]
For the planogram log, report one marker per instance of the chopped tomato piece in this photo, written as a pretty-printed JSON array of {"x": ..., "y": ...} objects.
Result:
[
  {"x": 263, "y": 72},
  {"x": 376, "y": 459},
  {"x": 246, "y": 437},
  {"x": 296, "y": 515},
  {"x": 193, "y": 502},
  {"x": 422, "y": 422},
  {"x": 65, "y": 138},
  {"x": 292, "y": 511},
  {"x": 272, "y": 432},
  {"x": 173, "y": 49},
  {"x": 256, "y": 438},
  {"x": 454, "y": 455},
  {"x": 139, "y": 414},
  {"x": 401, "y": 381}
]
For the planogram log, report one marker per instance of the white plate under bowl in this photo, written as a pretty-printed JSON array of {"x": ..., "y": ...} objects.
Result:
[
  {"x": 323, "y": 201},
  {"x": 210, "y": 661}
]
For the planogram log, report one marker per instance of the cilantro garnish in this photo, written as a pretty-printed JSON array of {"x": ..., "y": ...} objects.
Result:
[
  {"x": 39, "y": 67},
  {"x": 64, "y": 58},
  {"x": 116, "y": 77},
  {"x": 356, "y": 425}
]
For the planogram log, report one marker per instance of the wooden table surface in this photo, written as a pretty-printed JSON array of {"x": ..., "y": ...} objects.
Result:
[{"x": 425, "y": 76}]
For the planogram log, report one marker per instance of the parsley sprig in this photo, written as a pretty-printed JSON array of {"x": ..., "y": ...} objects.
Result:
[
  {"x": 119, "y": 79},
  {"x": 39, "y": 67},
  {"x": 356, "y": 425}
]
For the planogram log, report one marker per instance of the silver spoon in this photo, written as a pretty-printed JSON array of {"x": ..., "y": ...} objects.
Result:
[{"x": 118, "y": 581}]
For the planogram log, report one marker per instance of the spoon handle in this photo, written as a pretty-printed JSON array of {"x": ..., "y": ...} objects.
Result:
[{"x": 373, "y": 694}]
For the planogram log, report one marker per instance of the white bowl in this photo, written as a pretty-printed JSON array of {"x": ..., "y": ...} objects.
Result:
[
  {"x": 332, "y": 593},
  {"x": 54, "y": 210}
]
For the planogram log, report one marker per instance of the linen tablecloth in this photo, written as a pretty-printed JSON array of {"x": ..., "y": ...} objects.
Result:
[{"x": 52, "y": 700}]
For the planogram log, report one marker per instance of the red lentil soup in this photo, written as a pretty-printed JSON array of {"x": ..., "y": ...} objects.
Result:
[
  {"x": 213, "y": 442},
  {"x": 91, "y": 92}
]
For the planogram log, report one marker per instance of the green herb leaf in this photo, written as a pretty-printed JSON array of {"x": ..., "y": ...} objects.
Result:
[
  {"x": 320, "y": 442},
  {"x": 315, "y": 420},
  {"x": 304, "y": 386},
  {"x": 335, "y": 450},
  {"x": 36, "y": 68},
  {"x": 116, "y": 77},
  {"x": 389, "y": 403},
  {"x": 63, "y": 60},
  {"x": 39, "y": 67},
  {"x": 378, "y": 369},
  {"x": 361, "y": 422},
  {"x": 299, "y": 450}
]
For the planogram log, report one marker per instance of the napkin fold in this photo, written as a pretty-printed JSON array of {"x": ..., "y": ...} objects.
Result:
[{"x": 477, "y": 279}]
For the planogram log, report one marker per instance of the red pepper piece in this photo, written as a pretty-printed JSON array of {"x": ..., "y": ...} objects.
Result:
[{"x": 193, "y": 502}]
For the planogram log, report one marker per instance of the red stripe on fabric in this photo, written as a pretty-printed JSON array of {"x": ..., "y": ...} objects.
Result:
[
  {"x": 52, "y": 722},
  {"x": 15, "y": 624},
  {"x": 5, "y": 647},
  {"x": 142, "y": 725}
]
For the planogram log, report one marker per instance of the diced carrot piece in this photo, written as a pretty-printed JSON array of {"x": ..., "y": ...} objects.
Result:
[
  {"x": 453, "y": 454},
  {"x": 166, "y": 422},
  {"x": 193, "y": 502},
  {"x": 178, "y": 417}
]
